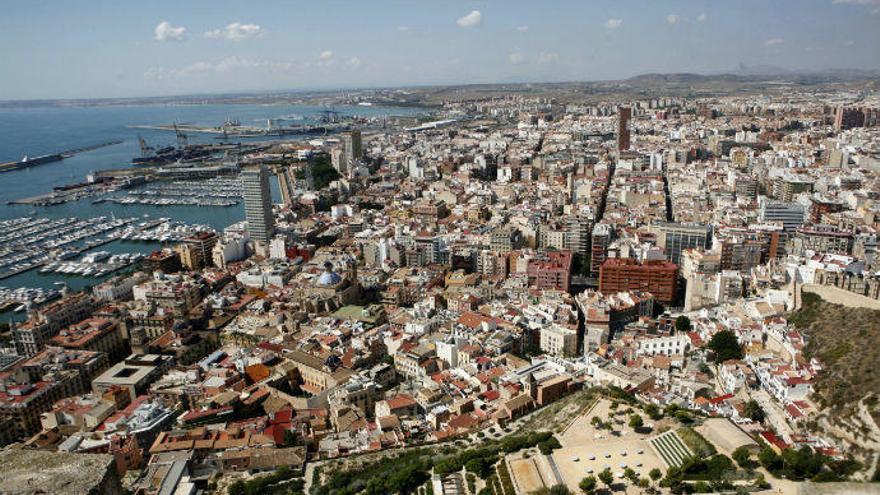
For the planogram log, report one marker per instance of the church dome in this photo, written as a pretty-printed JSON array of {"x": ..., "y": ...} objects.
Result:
[{"x": 329, "y": 277}]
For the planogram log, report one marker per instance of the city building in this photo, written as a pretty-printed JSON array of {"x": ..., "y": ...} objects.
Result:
[
  {"x": 660, "y": 278},
  {"x": 624, "y": 114},
  {"x": 675, "y": 238},
  {"x": 258, "y": 204}
]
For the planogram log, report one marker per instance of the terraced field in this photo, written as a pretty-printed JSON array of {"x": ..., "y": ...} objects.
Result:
[{"x": 670, "y": 448}]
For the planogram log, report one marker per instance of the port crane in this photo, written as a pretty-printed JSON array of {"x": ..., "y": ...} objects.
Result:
[
  {"x": 181, "y": 137},
  {"x": 145, "y": 150},
  {"x": 329, "y": 115}
]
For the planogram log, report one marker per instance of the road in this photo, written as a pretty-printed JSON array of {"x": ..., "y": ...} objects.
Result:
[{"x": 773, "y": 414}]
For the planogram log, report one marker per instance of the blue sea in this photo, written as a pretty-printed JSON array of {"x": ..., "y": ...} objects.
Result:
[{"x": 42, "y": 130}]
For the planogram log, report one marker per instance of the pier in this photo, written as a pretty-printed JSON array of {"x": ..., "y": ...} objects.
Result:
[
  {"x": 246, "y": 131},
  {"x": 27, "y": 162}
]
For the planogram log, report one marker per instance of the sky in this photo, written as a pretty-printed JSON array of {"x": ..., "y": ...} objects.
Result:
[{"x": 111, "y": 48}]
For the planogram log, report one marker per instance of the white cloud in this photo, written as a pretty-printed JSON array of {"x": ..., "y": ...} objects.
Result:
[
  {"x": 522, "y": 29},
  {"x": 774, "y": 41},
  {"x": 354, "y": 62},
  {"x": 403, "y": 29},
  {"x": 325, "y": 55},
  {"x": 702, "y": 17},
  {"x": 547, "y": 58},
  {"x": 874, "y": 4},
  {"x": 516, "y": 58},
  {"x": 236, "y": 32},
  {"x": 474, "y": 19},
  {"x": 849, "y": 43},
  {"x": 166, "y": 32},
  {"x": 855, "y": 2},
  {"x": 226, "y": 65},
  {"x": 672, "y": 18},
  {"x": 613, "y": 23}
]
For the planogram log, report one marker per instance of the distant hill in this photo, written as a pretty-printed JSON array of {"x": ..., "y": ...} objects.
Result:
[
  {"x": 680, "y": 77},
  {"x": 756, "y": 73},
  {"x": 758, "y": 79}
]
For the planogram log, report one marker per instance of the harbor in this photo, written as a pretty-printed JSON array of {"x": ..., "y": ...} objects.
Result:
[
  {"x": 27, "y": 161},
  {"x": 217, "y": 191},
  {"x": 29, "y": 243},
  {"x": 19, "y": 298},
  {"x": 96, "y": 264},
  {"x": 73, "y": 190}
]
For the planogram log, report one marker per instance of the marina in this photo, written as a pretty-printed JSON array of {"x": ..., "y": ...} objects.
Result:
[
  {"x": 29, "y": 243},
  {"x": 137, "y": 199},
  {"x": 18, "y": 299},
  {"x": 217, "y": 191},
  {"x": 71, "y": 190},
  {"x": 96, "y": 264},
  {"x": 165, "y": 231}
]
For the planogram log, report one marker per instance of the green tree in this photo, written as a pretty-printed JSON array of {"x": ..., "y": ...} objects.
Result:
[
  {"x": 636, "y": 422},
  {"x": 559, "y": 490},
  {"x": 753, "y": 411},
  {"x": 683, "y": 324},
  {"x": 479, "y": 466},
  {"x": 549, "y": 445},
  {"x": 653, "y": 412},
  {"x": 743, "y": 457},
  {"x": 606, "y": 477},
  {"x": 655, "y": 474},
  {"x": 631, "y": 474},
  {"x": 769, "y": 459},
  {"x": 761, "y": 482},
  {"x": 702, "y": 487},
  {"x": 801, "y": 464},
  {"x": 588, "y": 484},
  {"x": 725, "y": 346}
]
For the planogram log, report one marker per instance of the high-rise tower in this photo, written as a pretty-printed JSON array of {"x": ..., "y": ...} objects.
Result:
[
  {"x": 624, "y": 114},
  {"x": 258, "y": 203}
]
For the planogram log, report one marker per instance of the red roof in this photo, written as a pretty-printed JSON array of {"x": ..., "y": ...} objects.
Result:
[
  {"x": 720, "y": 399},
  {"x": 772, "y": 439},
  {"x": 793, "y": 411},
  {"x": 490, "y": 395}
]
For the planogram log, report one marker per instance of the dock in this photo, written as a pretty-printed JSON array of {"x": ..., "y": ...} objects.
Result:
[
  {"x": 246, "y": 131},
  {"x": 27, "y": 162}
]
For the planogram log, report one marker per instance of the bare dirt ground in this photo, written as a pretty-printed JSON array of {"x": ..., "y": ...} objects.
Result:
[{"x": 618, "y": 449}]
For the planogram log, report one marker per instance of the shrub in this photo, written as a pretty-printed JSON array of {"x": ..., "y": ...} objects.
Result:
[
  {"x": 588, "y": 484},
  {"x": 636, "y": 422},
  {"x": 549, "y": 445},
  {"x": 743, "y": 457},
  {"x": 695, "y": 442}
]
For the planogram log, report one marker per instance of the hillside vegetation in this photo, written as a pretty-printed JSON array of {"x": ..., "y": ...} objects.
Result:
[{"x": 844, "y": 340}]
